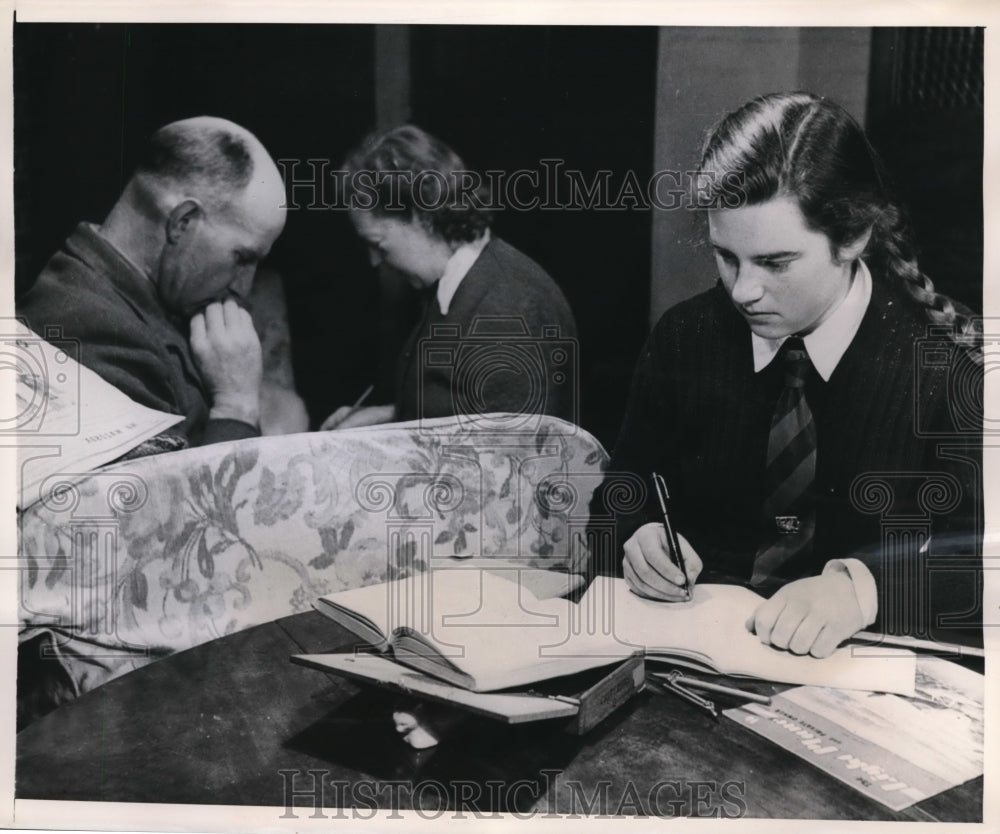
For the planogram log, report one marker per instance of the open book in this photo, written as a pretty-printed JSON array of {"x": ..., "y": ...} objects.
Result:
[
  {"x": 476, "y": 629},
  {"x": 69, "y": 420},
  {"x": 709, "y": 633}
]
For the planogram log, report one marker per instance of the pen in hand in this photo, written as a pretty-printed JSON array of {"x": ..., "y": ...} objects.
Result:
[
  {"x": 342, "y": 413},
  {"x": 360, "y": 400},
  {"x": 676, "y": 556}
]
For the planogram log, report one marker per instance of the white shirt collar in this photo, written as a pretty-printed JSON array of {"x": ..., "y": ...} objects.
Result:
[
  {"x": 455, "y": 270},
  {"x": 828, "y": 342}
]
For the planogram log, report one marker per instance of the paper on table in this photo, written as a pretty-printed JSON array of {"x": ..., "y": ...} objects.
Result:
[
  {"x": 894, "y": 749},
  {"x": 710, "y": 631},
  {"x": 69, "y": 420}
]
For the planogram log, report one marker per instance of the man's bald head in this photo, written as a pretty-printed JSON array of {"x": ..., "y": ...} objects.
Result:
[
  {"x": 206, "y": 157},
  {"x": 203, "y": 208}
]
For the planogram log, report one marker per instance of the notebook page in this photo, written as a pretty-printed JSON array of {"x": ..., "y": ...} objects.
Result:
[{"x": 713, "y": 624}]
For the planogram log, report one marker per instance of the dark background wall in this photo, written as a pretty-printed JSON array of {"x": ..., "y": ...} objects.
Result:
[
  {"x": 509, "y": 98},
  {"x": 615, "y": 99},
  {"x": 925, "y": 115}
]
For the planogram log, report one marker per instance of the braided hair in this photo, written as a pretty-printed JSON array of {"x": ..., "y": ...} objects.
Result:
[{"x": 807, "y": 147}]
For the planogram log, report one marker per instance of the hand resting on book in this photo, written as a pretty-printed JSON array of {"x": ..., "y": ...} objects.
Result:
[
  {"x": 649, "y": 570},
  {"x": 480, "y": 632},
  {"x": 809, "y": 616}
]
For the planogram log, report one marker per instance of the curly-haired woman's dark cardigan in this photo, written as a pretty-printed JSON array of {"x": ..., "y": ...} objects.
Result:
[{"x": 507, "y": 343}]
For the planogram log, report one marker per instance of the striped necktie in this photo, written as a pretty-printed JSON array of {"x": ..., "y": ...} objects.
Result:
[{"x": 788, "y": 510}]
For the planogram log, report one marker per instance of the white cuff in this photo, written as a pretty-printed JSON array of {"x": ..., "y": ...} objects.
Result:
[{"x": 864, "y": 585}]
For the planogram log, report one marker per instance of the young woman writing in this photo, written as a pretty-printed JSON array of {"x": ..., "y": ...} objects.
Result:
[{"x": 791, "y": 409}]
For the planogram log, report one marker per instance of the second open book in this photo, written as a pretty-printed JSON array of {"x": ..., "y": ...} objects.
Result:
[{"x": 482, "y": 630}]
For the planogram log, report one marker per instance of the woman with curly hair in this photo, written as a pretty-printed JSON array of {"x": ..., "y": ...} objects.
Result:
[{"x": 495, "y": 325}]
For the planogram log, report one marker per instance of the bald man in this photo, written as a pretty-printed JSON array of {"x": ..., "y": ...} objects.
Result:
[{"x": 154, "y": 294}]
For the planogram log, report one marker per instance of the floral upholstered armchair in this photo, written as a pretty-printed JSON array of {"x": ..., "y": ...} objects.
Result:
[{"x": 159, "y": 554}]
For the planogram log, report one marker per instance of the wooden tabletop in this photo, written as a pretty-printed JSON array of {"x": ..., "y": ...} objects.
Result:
[{"x": 234, "y": 722}]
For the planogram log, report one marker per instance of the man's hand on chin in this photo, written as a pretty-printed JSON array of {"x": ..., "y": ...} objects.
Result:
[{"x": 227, "y": 352}]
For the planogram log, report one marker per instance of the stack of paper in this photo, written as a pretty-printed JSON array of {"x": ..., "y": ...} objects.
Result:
[
  {"x": 895, "y": 750},
  {"x": 67, "y": 419}
]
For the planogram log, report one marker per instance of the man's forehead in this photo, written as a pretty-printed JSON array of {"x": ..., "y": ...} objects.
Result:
[{"x": 258, "y": 211}]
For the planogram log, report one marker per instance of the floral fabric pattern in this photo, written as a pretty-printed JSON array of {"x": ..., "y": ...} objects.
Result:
[{"x": 162, "y": 553}]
